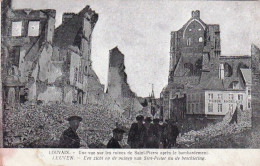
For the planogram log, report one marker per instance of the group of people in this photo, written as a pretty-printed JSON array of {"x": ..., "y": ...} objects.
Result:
[
  {"x": 145, "y": 133},
  {"x": 148, "y": 133}
]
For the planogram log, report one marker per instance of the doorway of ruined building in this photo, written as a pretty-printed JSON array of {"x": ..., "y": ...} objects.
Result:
[
  {"x": 24, "y": 95},
  {"x": 80, "y": 96},
  {"x": 177, "y": 108}
]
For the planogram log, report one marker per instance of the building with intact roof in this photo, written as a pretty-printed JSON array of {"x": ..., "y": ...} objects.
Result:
[{"x": 201, "y": 79}]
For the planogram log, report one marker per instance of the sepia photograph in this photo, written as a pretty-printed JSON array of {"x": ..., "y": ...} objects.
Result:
[{"x": 148, "y": 74}]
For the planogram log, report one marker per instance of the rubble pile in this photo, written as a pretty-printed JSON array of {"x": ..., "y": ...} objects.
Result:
[
  {"x": 222, "y": 128},
  {"x": 34, "y": 125}
]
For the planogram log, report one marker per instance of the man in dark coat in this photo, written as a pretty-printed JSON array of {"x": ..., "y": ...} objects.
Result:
[
  {"x": 156, "y": 133},
  {"x": 173, "y": 133},
  {"x": 137, "y": 133},
  {"x": 148, "y": 140},
  {"x": 70, "y": 138},
  {"x": 117, "y": 136},
  {"x": 164, "y": 138}
]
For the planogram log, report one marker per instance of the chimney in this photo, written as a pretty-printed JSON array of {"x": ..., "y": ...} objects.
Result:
[
  {"x": 67, "y": 16},
  {"x": 195, "y": 14}
]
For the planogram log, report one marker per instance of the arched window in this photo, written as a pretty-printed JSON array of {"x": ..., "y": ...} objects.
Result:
[
  {"x": 200, "y": 39},
  {"x": 188, "y": 41}
]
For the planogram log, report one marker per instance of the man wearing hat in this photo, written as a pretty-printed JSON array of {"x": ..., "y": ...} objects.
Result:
[
  {"x": 117, "y": 136},
  {"x": 137, "y": 133},
  {"x": 148, "y": 140},
  {"x": 70, "y": 138},
  {"x": 173, "y": 133},
  {"x": 156, "y": 133}
]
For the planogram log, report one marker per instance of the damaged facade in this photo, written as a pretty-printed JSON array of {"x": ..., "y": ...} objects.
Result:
[
  {"x": 41, "y": 63},
  {"x": 117, "y": 78},
  {"x": 195, "y": 59},
  {"x": 118, "y": 87}
]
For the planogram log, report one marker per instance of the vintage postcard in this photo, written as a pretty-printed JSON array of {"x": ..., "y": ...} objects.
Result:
[{"x": 156, "y": 80}]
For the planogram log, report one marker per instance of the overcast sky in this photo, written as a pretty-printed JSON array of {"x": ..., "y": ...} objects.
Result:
[{"x": 141, "y": 30}]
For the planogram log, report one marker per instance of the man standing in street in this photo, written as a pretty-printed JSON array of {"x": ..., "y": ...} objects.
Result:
[
  {"x": 70, "y": 138},
  {"x": 173, "y": 133},
  {"x": 117, "y": 136},
  {"x": 137, "y": 133},
  {"x": 156, "y": 133},
  {"x": 148, "y": 140}
]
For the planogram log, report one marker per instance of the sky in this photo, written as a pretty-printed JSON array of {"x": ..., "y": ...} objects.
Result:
[{"x": 141, "y": 30}]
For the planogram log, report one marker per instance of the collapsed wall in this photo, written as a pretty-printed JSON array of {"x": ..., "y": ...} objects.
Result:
[
  {"x": 226, "y": 126},
  {"x": 117, "y": 78},
  {"x": 40, "y": 126}
]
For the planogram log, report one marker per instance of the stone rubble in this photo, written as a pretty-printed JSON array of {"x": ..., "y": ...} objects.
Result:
[
  {"x": 42, "y": 125},
  {"x": 221, "y": 128}
]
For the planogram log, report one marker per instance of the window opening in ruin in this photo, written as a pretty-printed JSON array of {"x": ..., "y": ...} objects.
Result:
[
  {"x": 197, "y": 107},
  {"x": 16, "y": 55},
  {"x": 210, "y": 107},
  {"x": 219, "y": 107},
  {"x": 249, "y": 104},
  {"x": 249, "y": 92},
  {"x": 190, "y": 30},
  {"x": 199, "y": 29},
  {"x": 75, "y": 75},
  {"x": 231, "y": 108},
  {"x": 200, "y": 39},
  {"x": 33, "y": 28},
  {"x": 17, "y": 28}
]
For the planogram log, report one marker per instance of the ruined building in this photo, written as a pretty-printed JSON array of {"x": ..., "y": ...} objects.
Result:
[
  {"x": 118, "y": 87},
  {"x": 41, "y": 63},
  {"x": 201, "y": 80},
  {"x": 117, "y": 78}
]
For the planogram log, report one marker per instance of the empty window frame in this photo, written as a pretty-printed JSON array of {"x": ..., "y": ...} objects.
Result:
[
  {"x": 249, "y": 92},
  {"x": 33, "y": 28},
  {"x": 249, "y": 104},
  {"x": 231, "y": 108},
  {"x": 17, "y": 28}
]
